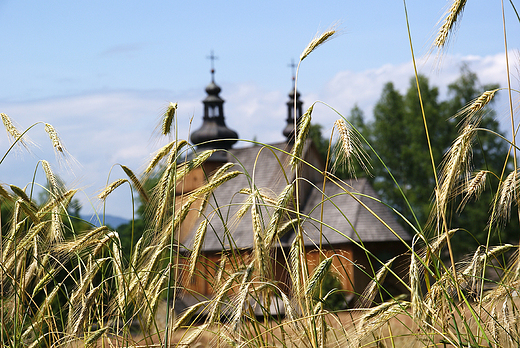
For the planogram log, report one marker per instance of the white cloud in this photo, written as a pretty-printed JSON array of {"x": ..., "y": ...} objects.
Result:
[{"x": 104, "y": 128}]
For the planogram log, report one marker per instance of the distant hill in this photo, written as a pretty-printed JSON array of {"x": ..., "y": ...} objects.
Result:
[{"x": 110, "y": 220}]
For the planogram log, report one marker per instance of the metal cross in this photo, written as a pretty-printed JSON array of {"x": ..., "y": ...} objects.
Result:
[
  {"x": 212, "y": 57},
  {"x": 293, "y": 68}
]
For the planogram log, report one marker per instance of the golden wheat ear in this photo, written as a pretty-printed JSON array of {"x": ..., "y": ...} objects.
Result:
[
  {"x": 13, "y": 132},
  {"x": 349, "y": 148},
  {"x": 317, "y": 41},
  {"x": 449, "y": 24},
  {"x": 303, "y": 130},
  {"x": 168, "y": 117},
  {"x": 110, "y": 188},
  {"x": 136, "y": 182}
]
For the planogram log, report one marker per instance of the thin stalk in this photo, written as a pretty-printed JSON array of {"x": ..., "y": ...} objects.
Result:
[
  {"x": 170, "y": 259},
  {"x": 323, "y": 203},
  {"x": 425, "y": 123},
  {"x": 510, "y": 100},
  {"x": 303, "y": 260},
  {"x": 1, "y": 282}
]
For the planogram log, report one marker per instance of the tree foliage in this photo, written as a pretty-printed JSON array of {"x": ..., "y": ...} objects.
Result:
[{"x": 405, "y": 176}]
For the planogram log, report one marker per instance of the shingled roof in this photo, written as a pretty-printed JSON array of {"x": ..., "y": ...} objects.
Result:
[
  {"x": 267, "y": 168},
  {"x": 349, "y": 214}
]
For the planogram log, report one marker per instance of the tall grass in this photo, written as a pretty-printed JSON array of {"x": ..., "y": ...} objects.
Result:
[{"x": 66, "y": 284}]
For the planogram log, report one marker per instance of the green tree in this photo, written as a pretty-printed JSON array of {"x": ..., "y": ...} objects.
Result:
[{"x": 398, "y": 135}]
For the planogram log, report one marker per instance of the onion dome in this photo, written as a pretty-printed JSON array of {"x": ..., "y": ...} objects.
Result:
[
  {"x": 288, "y": 131},
  {"x": 213, "y": 134}
]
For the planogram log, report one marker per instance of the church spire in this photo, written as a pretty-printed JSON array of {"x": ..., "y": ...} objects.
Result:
[
  {"x": 213, "y": 134},
  {"x": 289, "y": 128}
]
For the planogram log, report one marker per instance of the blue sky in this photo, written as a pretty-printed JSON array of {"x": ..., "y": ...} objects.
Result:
[{"x": 101, "y": 72}]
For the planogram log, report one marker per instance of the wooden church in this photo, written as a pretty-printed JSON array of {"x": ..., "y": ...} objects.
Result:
[{"x": 344, "y": 214}]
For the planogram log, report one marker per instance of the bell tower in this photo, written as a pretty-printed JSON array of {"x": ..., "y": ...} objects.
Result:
[
  {"x": 213, "y": 134},
  {"x": 294, "y": 97}
]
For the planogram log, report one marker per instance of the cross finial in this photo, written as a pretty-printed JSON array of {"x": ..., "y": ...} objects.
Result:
[
  {"x": 293, "y": 68},
  {"x": 212, "y": 57}
]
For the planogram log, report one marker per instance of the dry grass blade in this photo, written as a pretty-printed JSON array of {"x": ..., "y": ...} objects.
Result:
[
  {"x": 110, "y": 188},
  {"x": 137, "y": 184},
  {"x": 316, "y": 42},
  {"x": 454, "y": 13},
  {"x": 168, "y": 117}
]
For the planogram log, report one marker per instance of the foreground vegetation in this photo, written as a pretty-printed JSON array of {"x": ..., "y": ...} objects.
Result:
[{"x": 66, "y": 283}]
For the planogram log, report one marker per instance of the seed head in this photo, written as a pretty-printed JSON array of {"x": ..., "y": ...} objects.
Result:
[
  {"x": 454, "y": 13},
  {"x": 317, "y": 41},
  {"x": 168, "y": 117},
  {"x": 55, "y": 139},
  {"x": 483, "y": 100},
  {"x": 108, "y": 190}
]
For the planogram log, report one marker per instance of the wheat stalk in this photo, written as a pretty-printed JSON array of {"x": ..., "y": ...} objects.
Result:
[
  {"x": 110, "y": 188},
  {"x": 482, "y": 100},
  {"x": 23, "y": 196},
  {"x": 240, "y": 301},
  {"x": 12, "y": 131},
  {"x": 375, "y": 284},
  {"x": 454, "y": 13},
  {"x": 317, "y": 276},
  {"x": 303, "y": 130},
  {"x": 55, "y": 139},
  {"x": 168, "y": 117},
  {"x": 455, "y": 164},
  {"x": 165, "y": 150},
  {"x": 259, "y": 249},
  {"x": 474, "y": 188},
  {"x": 197, "y": 246},
  {"x": 94, "y": 336},
  {"x": 137, "y": 184},
  {"x": 504, "y": 197},
  {"x": 349, "y": 148},
  {"x": 317, "y": 41}
]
